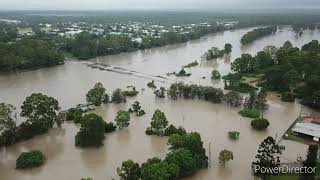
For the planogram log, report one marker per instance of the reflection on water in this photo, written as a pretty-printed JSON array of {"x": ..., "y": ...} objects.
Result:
[{"x": 70, "y": 82}]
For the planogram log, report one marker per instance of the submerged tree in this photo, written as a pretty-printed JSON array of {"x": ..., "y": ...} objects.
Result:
[
  {"x": 225, "y": 156},
  {"x": 261, "y": 102},
  {"x": 233, "y": 98},
  {"x": 122, "y": 119},
  {"x": 118, "y": 96},
  {"x": 160, "y": 93},
  {"x": 41, "y": 110},
  {"x": 91, "y": 132},
  {"x": 159, "y": 122},
  {"x": 97, "y": 95}
]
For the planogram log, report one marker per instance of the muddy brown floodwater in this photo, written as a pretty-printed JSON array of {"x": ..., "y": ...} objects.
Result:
[{"x": 69, "y": 83}]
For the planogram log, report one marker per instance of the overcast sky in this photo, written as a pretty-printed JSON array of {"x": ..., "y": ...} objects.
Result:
[{"x": 152, "y": 4}]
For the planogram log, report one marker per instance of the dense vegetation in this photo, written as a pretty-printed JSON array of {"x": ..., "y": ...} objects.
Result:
[
  {"x": 287, "y": 69},
  {"x": 257, "y": 33},
  {"x": 186, "y": 156},
  {"x": 30, "y": 159}
]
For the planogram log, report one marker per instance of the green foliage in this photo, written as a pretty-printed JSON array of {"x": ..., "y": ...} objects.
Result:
[
  {"x": 215, "y": 74},
  {"x": 74, "y": 114},
  {"x": 173, "y": 130},
  {"x": 311, "y": 159},
  {"x": 41, "y": 110},
  {"x": 122, "y": 119},
  {"x": 29, "y": 53},
  {"x": 194, "y": 63},
  {"x": 234, "y": 135},
  {"x": 251, "y": 113},
  {"x": 184, "y": 160},
  {"x": 109, "y": 127},
  {"x": 268, "y": 155},
  {"x": 87, "y": 178},
  {"x": 136, "y": 108},
  {"x": 242, "y": 87},
  {"x": 129, "y": 170},
  {"x": 244, "y": 64},
  {"x": 261, "y": 101},
  {"x": 193, "y": 143},
  {"x": 288, "y": 97},
  {"x": 7, "y": 119},
  {"x": 257, "y": 33},
  {"x": 150, "y": 161},
  {"x": 160, "y": 171},
  {"x": 260, "y": 124},
  {"x": 213, "y": 53},
  {"x": 208, "y": 93},
  {"x": 182, "y": 73},
  {"x": 225, "y": 156},
  {"x": 30, "y": 159},
  {"x": 249, "y": 102},
  {"x": 118, "y": 97},
  {"x": 97, "y": 95},
  {"x": 227, "y": 48},
  {"x": 86, "y": 45},
  {"x": 159, "y": 122},
  {"x": 91, "y": 132}
]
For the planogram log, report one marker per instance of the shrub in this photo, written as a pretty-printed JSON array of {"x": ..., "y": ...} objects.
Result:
[
  {"x": 288, "y": 97},
  {"x": 260, "y": 123},
  {"x": 234, "y": 134},
  {"x": 109, "y": 127},
  {"x": 30, "y": 159},
  {"x": 251, "y": 113}
]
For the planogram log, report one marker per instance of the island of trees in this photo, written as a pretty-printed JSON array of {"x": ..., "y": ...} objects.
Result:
[{"x": 257, "y": 33}]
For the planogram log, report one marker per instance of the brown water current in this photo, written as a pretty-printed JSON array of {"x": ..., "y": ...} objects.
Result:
[{"x": 69, "y": 83}]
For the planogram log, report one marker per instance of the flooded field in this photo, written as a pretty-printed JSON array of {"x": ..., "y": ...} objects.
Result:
[{"x": 69, "y": 83}]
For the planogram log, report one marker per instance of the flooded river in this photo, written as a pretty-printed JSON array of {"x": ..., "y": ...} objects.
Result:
[{"x": 69, "y": 83}]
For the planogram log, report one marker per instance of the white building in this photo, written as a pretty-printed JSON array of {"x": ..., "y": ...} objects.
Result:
[{"x": 309, "y": 129}]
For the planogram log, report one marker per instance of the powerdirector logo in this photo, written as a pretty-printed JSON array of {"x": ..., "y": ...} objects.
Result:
[{"x": 283, "y": 168}]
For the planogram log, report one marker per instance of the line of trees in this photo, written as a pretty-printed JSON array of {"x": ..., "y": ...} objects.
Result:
[{"x": 29, "y": 53}]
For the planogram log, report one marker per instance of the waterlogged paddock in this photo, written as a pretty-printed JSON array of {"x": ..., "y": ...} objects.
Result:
[{"x": 70, "y": 82}]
